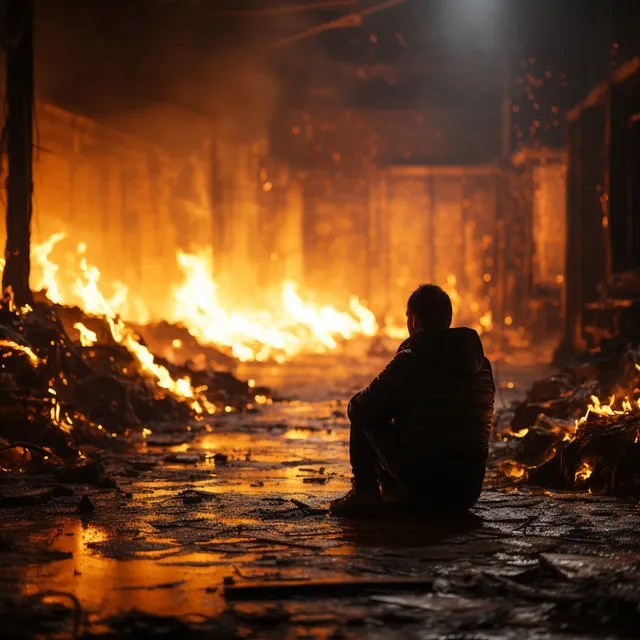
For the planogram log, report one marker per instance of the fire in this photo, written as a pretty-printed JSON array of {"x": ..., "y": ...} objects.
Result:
[
  {"x": 87, "y": 337},
  {"x": 10, "y": 344},
  {"x": 393, "y": 331},
  {"x": 513, "y": 469},
  {"x": 47, "y": 281},
  {"x": 365, "y": 316},
  {"x": 598, "y": 408},
  {"x": 288, "y": 324},
  {"x": 95, "y": 303},
  {"x": 451, "y": 289},
  {"x": 296, "y": 326},
  {"x": 584, "y": 472}
]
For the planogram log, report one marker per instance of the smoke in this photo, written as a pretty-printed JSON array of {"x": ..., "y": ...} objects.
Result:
[{"x": 112, "y": 59}]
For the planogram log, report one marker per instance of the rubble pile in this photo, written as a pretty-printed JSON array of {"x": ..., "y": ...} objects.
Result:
[
  {"x": 72, "y": 382},
  {"x": 579, "y": 429}
]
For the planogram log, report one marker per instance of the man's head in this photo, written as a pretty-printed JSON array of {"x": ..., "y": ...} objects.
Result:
[{"x": 428, "y": 309}]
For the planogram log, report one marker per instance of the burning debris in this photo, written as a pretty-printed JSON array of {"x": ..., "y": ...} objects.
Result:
[
  {"x": 81, "y": 377},
  {"x": 580, "y": 429},
  {"x": 72, "y": 378},
  {"x": 276, "y": 332}
]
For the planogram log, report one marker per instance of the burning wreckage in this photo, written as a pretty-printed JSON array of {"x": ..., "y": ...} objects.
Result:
[
  {"x": 580, "y": 428},
  {"x": 79, "y": 380}
]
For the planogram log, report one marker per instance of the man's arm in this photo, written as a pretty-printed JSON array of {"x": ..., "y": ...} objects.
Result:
[{"x": 385, "y": 396}]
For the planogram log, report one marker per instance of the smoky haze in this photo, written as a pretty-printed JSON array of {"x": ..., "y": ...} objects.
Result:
[{"x": 111, "y": 60}]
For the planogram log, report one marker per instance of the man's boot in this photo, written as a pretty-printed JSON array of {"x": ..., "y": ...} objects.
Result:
[
  {"x": 359, "y": 502},
  {"x": 391, "y": 491}
]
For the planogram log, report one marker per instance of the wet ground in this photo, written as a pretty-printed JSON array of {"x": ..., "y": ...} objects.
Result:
[{"x": 223, "y": 531}]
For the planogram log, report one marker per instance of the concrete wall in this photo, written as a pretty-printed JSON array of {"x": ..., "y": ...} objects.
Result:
[
  {"x": 434, "y": 224},
  {"x": 132, "y": 202}
]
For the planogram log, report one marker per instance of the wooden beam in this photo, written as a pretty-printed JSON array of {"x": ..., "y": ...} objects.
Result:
[
  {"x": 317, "y": 5},
  {"x": 344, "y": 22}
]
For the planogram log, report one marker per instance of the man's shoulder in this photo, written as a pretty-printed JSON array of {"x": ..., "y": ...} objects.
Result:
[{"x": 401, "y": 360}]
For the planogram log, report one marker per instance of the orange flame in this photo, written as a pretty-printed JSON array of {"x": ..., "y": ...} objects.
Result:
[
  {"x": 289, "y": 327},
  {"x": 584, "y": 472},
  {"x": 40, "y": 255},
  {"x": 27, "y": 351},
  {"x": 95, "y": 303},
  {"x": 295, "y": 327},
  {"x": 87, "y": 337}
]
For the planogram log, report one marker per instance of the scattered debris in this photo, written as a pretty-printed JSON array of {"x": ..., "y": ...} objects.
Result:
[
  {"x": 580, "y": 428},
  {"x": 220, "y": 458},
  {"x": 72, "y": 382},
  {"x": 279, "y": 590},
  {"x": 194, "y": 496},
  {"x": 86, "y": 506}
]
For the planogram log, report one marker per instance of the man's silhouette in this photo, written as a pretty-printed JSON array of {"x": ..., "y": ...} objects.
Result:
[{"x": 420, "y": 431}]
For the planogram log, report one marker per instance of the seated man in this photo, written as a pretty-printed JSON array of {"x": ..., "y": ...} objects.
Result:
[{"x": 421, "y": 429}]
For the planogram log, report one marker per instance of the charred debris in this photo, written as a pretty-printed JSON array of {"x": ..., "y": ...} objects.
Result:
[
  {"x": 579, "y": 428},
  {"x": 73, "y": 387}
]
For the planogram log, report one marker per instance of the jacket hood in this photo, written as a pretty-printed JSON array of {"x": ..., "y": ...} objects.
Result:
[{"x": 456, "y": 350}]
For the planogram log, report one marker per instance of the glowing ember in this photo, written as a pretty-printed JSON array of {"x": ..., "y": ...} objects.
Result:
[
  {"x": 486, "y": 321},
  {"x": 40, "y": 256},
  {"x": 27, "y": 351},
  {"x": 584, "y": 472},
  {"x": 596, "y": 407},
  {"x": 87, "y": 337},
  {"x": 513, "y": 469}
]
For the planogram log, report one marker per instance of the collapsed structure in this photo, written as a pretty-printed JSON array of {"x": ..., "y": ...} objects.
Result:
[{"x": 581, "y": 428}]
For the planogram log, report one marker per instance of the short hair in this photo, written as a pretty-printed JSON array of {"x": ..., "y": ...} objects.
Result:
[{"x": 432, "y": 306}]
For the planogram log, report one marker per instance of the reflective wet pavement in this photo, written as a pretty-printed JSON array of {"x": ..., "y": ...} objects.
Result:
[{"x": 173, "y": 551}]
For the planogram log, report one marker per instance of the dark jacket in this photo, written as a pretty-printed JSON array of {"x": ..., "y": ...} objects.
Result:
[{"x": 439, "y": 392}]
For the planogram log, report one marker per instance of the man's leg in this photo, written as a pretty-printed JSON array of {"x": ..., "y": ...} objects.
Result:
[
  {"x": 363, "y": 458},
  {"x": 370, "y": 450}
]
